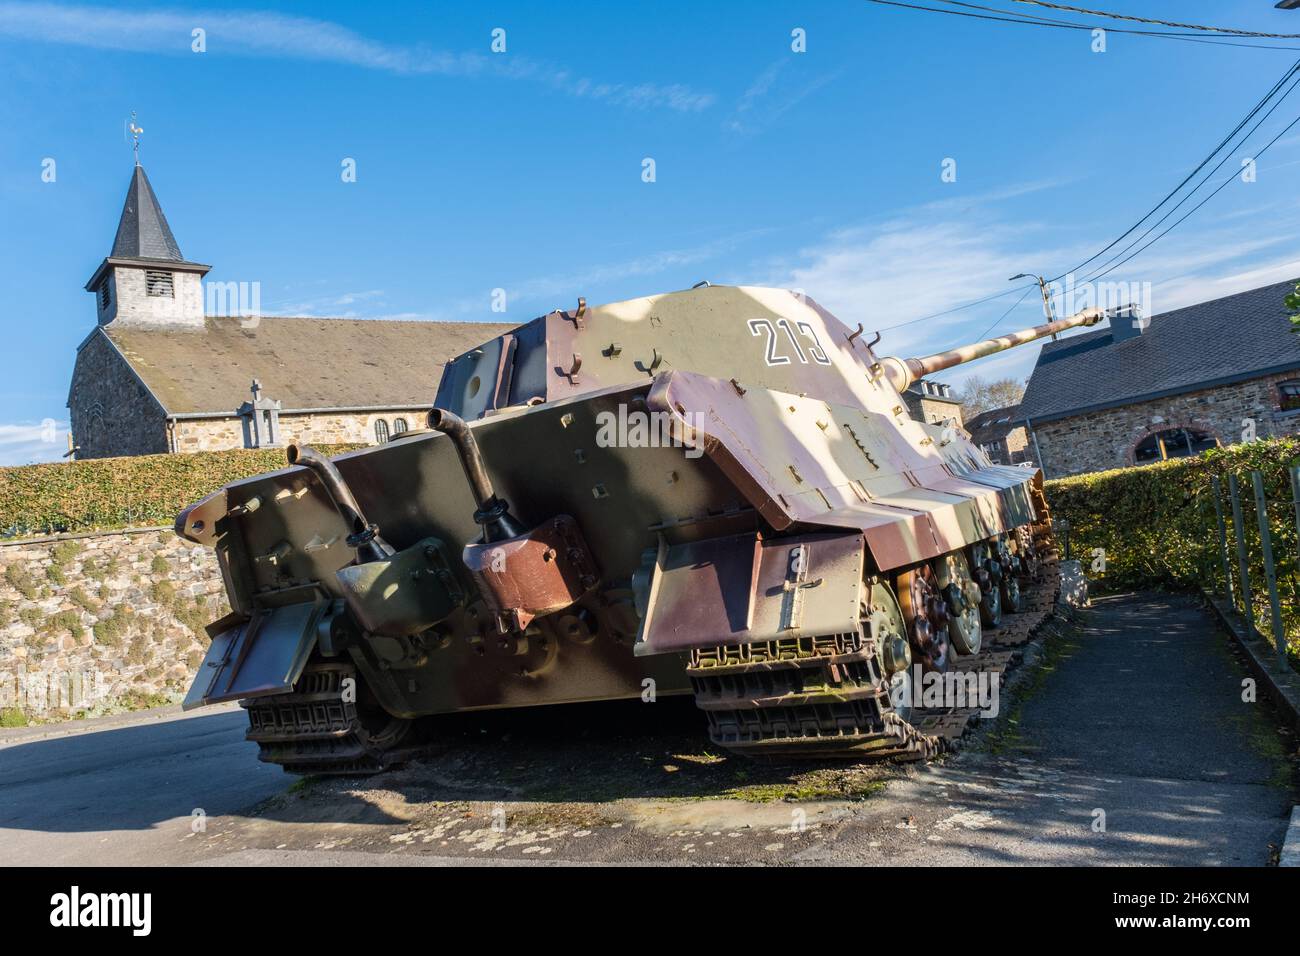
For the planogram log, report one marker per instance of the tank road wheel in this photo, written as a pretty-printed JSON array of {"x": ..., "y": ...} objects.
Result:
[
  {"x": 883, "y": 621},
  {"x": 1009, "y": 582},
  {"x": 1024, "y": 539},
  {"x": 988, "y": 575},
  {"x": 926, "y": 617},
  {"x": 962, "y": 596},
  {"x": 323, "y": 726}
]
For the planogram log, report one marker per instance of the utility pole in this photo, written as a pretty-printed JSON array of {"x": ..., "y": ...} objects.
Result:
[{"x": 1042, "y": 288}]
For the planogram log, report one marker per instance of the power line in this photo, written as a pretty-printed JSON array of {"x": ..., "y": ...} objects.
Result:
[
  {"x": 1163, "y": 23},
  {"x": 1024, "y": 19},
  {"x": 983, "y": 335},
  {"x": 958, "y": 308},
  {"x": 1216, "y": 191},
  {"x": 1196, "y": 188},
  {"x": 1188, "y": 178}
]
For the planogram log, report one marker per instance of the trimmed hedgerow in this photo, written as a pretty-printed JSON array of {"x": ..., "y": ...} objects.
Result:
[
  {"x": 1155, "y": 526},
  {"x": 108, "y": 493}
]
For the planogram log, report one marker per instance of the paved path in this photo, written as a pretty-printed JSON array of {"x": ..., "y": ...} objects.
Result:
[{"x": 1136, "y": 714}]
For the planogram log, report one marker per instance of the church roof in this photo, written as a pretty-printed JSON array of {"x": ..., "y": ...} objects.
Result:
[
  {"x": 142, "y": 232},
  {"x": 304, "y": 363}
]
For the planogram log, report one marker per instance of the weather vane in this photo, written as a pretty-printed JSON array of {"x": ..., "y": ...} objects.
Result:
[{"x": 135, "y": 132}]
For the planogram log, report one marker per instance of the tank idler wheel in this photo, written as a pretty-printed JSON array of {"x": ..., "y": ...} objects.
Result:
[
  {"x": 1026, "y": 552},
  {"x": 988, "y": 575},
  {"x": 926, "y": 616},
  {"x": 961, "y": 595}
]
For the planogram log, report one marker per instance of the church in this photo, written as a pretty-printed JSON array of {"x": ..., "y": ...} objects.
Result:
[{"x": 157, "y": 375}]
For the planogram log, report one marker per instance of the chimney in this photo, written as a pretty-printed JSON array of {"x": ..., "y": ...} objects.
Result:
[{"x": 1127, "y": 322}]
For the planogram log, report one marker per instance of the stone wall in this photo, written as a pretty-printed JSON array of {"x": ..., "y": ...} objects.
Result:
[
  {"x": 131, "y": 304},
  {"x": 95, "y": 622},
  {"x": 1101, "y": 440},
  {"x": 216, "y": 434},
  {"x": 112, "y": 413}
]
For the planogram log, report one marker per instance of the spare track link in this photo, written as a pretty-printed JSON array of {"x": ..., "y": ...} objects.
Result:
[
  {"x": 823, "y": 697},
  {"x": 312, "y": 730}
]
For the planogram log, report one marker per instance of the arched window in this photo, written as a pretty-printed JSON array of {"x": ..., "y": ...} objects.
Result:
[
  {"x": 381, "y": 430},
  {"x": 399, "y": 425},
  {"x": 1172, "y": 443},
  {"x": 1288, "y": 394}
]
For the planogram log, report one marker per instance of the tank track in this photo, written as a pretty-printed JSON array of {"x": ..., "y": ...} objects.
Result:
[
  {"x": 312, "y": 730},
  {"x": 824, "y": 697}
]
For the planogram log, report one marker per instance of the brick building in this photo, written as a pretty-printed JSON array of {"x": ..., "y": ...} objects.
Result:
[
  {"x": 1211, "y": 374},
  {"x": 157, "y": 375},
  {"x": 1000, "y": 433}
]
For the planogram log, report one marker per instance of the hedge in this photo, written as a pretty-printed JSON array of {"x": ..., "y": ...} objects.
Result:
[
  {"x": 108, "y": 493},
  {"x": 1155, "y": 526}
]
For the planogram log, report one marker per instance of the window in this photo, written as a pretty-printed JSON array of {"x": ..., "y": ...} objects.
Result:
[
  {"x": 1172, "y": 443},
  {"x": 381, "y": 430},
  {"x": 104, "y": 296},
  {"x": 399, "y": 426},
  {"x": 158, "y": 283},
  {"x": 1288, "y": 395}
]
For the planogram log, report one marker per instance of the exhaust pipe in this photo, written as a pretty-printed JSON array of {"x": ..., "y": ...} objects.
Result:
[
  {"x": 492, "y": 513},
  {"x": 363, "y": 537}
]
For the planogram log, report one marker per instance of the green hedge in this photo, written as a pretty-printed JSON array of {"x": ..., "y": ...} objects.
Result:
[
  {"x": 1155, "y": 526},
  {"x": 111, "y": 493}
]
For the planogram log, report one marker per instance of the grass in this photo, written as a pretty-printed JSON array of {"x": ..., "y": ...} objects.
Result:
[{"x": 12, "y": 717}]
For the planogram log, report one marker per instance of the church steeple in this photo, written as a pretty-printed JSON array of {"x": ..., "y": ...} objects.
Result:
[
  {"x": 145, "y": 280},
  {"x": 142, "y": 232}
]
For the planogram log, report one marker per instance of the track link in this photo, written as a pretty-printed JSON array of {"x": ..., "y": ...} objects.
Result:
[
  {"x": 313, "y": 730},
  {"x": 824, "y": 697}
]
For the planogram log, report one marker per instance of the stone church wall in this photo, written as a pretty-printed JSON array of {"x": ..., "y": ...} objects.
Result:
[
  {"x": 112, "y": 413},
  {"x": 216, "y": 434}
]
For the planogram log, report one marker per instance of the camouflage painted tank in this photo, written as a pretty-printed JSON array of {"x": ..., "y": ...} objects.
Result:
[{"x": 715, "y": 492}]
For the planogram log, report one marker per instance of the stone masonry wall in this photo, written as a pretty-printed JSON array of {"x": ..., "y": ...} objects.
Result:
[
  {"x": 92, "y": 622},
  {"x": 112, "y": 412},
  {"x": 1101, "y": 440},
  {"x": 216, "y": 434}
]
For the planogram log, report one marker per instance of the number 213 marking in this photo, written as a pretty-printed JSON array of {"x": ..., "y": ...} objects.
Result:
[{"x": 765, "y": 327}]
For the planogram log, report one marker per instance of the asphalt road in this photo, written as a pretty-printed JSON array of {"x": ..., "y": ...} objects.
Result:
[{"x": 1131, "y": 746}]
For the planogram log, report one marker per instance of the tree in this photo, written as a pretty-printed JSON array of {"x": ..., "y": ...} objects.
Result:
[
  {"x": 978, "y": 394},
  {"x": 1293, "y": 304}
]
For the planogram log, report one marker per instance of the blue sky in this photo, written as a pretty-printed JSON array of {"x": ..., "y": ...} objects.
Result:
[{"x": 523, "y": 170}]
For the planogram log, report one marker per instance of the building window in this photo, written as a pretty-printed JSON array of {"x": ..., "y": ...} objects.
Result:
[
  {"x": 399, "y": 426},
  {"x": 105, "y": 295},
  {"x": 381, "y": 430},
  {"x": 1288, "y": 395},
  {"x": 1172, "y": 443},
  {"x": 159, "y": 283}
]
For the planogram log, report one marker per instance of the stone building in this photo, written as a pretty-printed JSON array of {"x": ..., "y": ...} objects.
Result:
[
  {"x": 933, "y": 402},
  {"x": 158, "y": 375},
  {"x": 1145, "y": 390},
  {"x": 1000, "y": 432}
]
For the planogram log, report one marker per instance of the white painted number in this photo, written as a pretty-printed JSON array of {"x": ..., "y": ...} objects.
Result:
[{"x": 764, "y": 326}]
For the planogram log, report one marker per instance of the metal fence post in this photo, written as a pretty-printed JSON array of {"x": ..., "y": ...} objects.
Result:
[
  {"x": 1270, "y": 574},
  {"x": 1247, "y": 606},
  {"x": 1223, "y": 538},
  {"x": 1261, "y": 510}
]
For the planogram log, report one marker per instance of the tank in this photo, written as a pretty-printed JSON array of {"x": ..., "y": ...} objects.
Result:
[{"x": 716, "y": 492}]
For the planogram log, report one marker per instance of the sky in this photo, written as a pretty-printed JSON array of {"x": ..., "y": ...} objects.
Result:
[{"x": 821, "y": 169}]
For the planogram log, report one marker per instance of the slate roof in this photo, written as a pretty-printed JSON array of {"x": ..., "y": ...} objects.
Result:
[
  {"x": 1212, "y": 343},
  {"x": 142, "y": 232},
  {"x": 994, "y": 424},
  {"x": 304, "y": 363}
]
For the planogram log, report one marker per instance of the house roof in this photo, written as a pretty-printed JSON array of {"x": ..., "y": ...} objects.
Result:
[
  {"x": 1213, "y": 343},
  {"x": 994, "y": 424},
  {"x": 142, "y": 232},
  {"x": 304, "y": 363}
]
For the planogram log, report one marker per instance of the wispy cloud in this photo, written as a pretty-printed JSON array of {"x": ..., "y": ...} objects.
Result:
[
  {"x": 23, "y": 443},
  {"x": 771, "y": 95},
  {"x": 266, "y": 34}
]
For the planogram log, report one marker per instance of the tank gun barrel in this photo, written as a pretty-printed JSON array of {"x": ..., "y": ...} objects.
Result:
[{"x": 902, "y": 372}]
